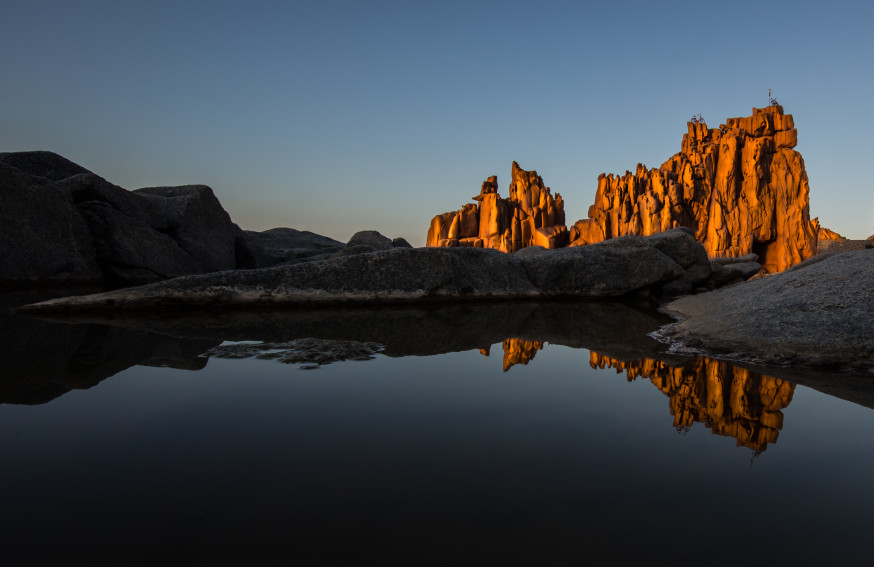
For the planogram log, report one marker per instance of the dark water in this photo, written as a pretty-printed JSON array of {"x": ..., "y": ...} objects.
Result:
[{"x": 536, "y": 432}]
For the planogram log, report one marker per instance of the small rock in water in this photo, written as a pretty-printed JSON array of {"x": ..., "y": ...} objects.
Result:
[{"x": 311, "y": 353}]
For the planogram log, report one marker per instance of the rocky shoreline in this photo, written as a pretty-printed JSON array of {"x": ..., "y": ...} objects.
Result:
[
  {"x": 816, "y": 314},
  {"x": 643, "y": 268},
  {"x": 819, "y": 315}
]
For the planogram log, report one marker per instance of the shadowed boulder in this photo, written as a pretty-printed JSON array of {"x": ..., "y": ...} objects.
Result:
[
  {"x": 63, "y": 224},
  {"x": 42, "y": 235},
  {"x": 612, "y": 269},
  {"x": 284, "y": 244},
  {"x": 817, "y": 315}
]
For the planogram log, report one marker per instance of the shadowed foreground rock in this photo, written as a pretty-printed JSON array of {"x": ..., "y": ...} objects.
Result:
[
  {"x": 612, "y": 269},
  {"x": 820, "y": 315},
  {"x": 61, "y": 224}
]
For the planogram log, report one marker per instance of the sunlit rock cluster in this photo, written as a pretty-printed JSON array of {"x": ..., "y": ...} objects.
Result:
[
  {"x": 741, "y": 188},
  {"x": 730, "y": 400},
  {"x": 530, "y": 216}
]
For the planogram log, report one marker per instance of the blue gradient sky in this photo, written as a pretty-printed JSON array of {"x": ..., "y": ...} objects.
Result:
[{"x": 342, "y": 116}]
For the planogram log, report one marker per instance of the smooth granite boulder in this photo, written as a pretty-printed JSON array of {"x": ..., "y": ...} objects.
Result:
[
  {"x": 42, "y": 235},
  {"x": 198, "y": 223},
  {"x": 284, "y": 244},
  {"x": 48, "y": 165},
  {"x": 89, "y": 187},
  {"x": 610, "y": 270},
  {"x": 129, "y": 250},
  {"x": 371, "y": 238},
  {"x": 63, "y": 224},
  {"x": 616, "y": 268},
  {"x": 818, "y": 315}
]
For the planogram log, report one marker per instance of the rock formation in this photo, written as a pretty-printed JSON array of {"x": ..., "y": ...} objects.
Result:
[
  {"x": 740, "y": 187},
  {"x": 615, "y": 268},
  {"x": 823, "y": 233},
  {"x": 730, "y": 400},
  {"x": 519, "y": 351},
  {"x": 62, "y": 224},
  {"x": 530, "y": 216},
  {"x": 818, "y": 314}
]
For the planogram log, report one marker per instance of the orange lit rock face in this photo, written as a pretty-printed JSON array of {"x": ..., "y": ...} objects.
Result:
[
  {"x": 822, "y": 233},
  {"x": 516, "y": 351},
  {"x": 519, "y": 351},
  {"x": 530, "y": 216},
  {"x": 740, "y": 187},
  {"x": 731, "y": 401}
]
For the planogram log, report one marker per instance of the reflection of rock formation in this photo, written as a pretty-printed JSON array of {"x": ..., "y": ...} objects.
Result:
[
  {"x": 42, "y": 361},
  {"x": 741, "y": 187},
  {"x": 519, "y": 351},
  {"x": 530, "y": 216},
  {"x": 730, "y": 400}
]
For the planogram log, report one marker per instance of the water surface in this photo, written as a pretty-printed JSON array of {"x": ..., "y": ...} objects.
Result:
[{"x": 535, "y": 431}]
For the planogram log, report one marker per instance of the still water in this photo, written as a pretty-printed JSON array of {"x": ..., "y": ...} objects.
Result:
[{"x": 488, "y": 431}]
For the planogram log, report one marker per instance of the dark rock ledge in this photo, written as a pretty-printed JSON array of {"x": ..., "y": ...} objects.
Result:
[{"x": 616, "y": 268}]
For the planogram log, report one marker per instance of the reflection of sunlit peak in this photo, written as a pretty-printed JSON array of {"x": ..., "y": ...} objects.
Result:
[
  {"x": 729, "y": 400},
  {"x": 519, "y": 351}
]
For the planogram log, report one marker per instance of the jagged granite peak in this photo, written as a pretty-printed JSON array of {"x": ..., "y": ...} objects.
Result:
[
  {"x": 530, "y": 216},
  {"x": 741, "y": 188}
]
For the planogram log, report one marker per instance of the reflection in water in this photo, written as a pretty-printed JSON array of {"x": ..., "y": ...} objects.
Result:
[
  {"x": 309, "y": 353},
  {"x": 517, "y": 351},
  {"x": 729, "y": 400}
]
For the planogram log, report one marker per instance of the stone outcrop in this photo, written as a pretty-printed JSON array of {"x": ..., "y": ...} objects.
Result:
[
  {"x": 741, "y": 188},
  {"x": 280, "y": 245},
  {"x": 817, "y": 314},
  {"x": 529, "y": 216},
  {"x": 614, "y": 268},
  {"x": 42, "y": 234},
  {"x": 63, "y": 224},
  {"x": 730, "y": 400},
  {"x": 823, "y": 233}
]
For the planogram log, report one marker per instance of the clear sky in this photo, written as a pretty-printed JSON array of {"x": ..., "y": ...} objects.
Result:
[{"x": 344, "y": 116}]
